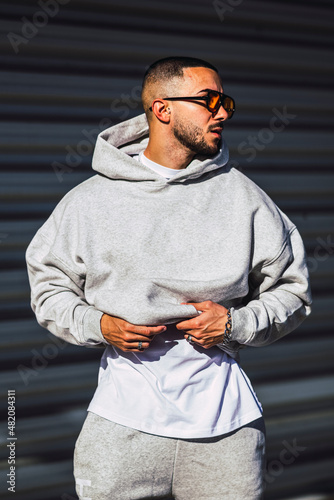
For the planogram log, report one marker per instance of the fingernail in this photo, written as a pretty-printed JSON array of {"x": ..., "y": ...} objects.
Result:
[{"x": 164, "y": 328}]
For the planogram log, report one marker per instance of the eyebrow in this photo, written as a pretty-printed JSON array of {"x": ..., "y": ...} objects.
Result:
[{"x": 209, "y": 90}]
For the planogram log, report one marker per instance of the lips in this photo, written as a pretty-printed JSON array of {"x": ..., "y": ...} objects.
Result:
[{"x": 217, "y": 130}]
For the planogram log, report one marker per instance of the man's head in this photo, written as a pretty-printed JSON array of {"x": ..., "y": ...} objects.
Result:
[
  {"x": 165, "y": 76},
  {"x": 188, "y": 124}
]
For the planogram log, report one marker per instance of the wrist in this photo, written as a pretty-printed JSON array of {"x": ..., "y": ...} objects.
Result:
[
  {"x": 104, "y": 325},
  {"x": 227, "y": 336},
  {"x": 91, "y": 333}
]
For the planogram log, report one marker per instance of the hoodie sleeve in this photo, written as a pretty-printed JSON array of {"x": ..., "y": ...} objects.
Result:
[
  {"x": 279, "y": 298},
  {"x": 57, "y": 293}
]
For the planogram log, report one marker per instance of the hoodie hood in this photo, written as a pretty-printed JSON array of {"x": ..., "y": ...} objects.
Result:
[{"x": 116, "y": 145}]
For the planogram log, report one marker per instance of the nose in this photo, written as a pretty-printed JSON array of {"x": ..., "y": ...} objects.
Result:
[{"x": 221, "y": 114}]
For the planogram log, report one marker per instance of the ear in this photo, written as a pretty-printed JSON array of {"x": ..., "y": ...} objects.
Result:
[{"x": 161, "y": 110}]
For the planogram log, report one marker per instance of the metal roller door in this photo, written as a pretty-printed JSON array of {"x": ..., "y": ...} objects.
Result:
[{"x": 70, "y": 68}]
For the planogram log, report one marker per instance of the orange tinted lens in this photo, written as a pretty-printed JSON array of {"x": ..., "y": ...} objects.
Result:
[
  {"x": 213, "y": 101},
  {"x": 228, "y": 105}
]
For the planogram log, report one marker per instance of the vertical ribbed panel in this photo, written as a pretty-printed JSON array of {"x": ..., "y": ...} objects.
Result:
[{"x": 70, "y": 69}]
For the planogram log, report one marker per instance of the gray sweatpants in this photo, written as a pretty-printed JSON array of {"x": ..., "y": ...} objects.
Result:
[{"x": 113, "y": 462}]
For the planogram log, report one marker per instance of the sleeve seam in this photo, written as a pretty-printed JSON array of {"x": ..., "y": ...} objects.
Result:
[
  {"x": 81, "y": 276},
  {"x": 281, "y": 250}
]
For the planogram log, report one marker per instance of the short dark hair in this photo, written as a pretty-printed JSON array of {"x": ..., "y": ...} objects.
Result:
[
  {"x": 170, "y": 67},
  {"x": 163, "y": 71}
]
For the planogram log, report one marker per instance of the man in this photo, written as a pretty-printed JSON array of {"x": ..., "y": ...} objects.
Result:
[{"x": 173, "y": 261}]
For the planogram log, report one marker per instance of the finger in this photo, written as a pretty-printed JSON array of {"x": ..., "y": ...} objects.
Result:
[
  {"x": 191, "y": 339},
  {"x": 146, "y": 330},
  {"x": 201, "y": 306},
  {"x": 139, "y": 346},
  {"x": 188, "y": 324},
  {"x": 184, "y": 325},
  {"x": 196, "y": 305},
  {"x": 198, "y": 341},
  {"x": 133, "y": 338}
]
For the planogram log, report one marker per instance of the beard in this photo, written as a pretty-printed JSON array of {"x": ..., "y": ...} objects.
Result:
[{"x": 192, "y": 137}]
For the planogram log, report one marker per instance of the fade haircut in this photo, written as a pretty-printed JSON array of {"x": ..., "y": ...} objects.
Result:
[{"x": 161, "y": 75}]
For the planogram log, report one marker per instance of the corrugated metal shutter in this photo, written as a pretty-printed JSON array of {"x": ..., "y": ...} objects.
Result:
[{"x": 76, "y": 69}]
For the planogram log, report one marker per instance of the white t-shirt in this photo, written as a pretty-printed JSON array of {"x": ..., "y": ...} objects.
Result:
[
  {"x": 174, "y": 388},
  {"x": 160, "y": 169}
]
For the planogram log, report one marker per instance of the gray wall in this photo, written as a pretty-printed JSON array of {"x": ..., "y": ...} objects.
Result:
[{"x": 72, "y": 69}]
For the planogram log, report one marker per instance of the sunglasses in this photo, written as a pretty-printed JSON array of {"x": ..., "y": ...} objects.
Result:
[{"x": 213, "y": 99}]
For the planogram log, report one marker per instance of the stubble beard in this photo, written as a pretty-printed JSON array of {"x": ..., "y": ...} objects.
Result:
[{"x": 192, "y": 138}]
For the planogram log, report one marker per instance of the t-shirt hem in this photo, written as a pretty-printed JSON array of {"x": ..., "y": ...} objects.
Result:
[{"x": 175, "y": 432}]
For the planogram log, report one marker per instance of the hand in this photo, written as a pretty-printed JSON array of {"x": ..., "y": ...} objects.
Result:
[
  {"x": 127, "y": 336},
  {"x": 207, "y": 329}
]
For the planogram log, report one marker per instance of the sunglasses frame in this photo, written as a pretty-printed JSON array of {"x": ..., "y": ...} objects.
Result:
[{"x": 206, "y": 98}]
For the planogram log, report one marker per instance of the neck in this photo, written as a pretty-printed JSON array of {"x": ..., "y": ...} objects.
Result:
[{"x": 168, "y": 153}]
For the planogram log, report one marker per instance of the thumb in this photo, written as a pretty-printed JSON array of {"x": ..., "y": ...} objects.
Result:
[{"x": 199, "y": 306}]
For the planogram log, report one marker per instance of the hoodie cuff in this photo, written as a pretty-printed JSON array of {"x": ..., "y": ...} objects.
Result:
[
  {"x": 242, "y": 325},
  {"x": 91, "y": 329}
]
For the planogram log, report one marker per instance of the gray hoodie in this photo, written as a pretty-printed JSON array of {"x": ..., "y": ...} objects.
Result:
[{"x": 132, "y": 244}]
